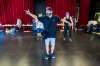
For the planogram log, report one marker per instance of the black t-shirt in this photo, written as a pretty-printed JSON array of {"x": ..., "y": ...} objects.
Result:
[
  {"x": 68, "y": 19},
  {"x": 66, "y": 24},
  {"x": 50, "y": 25}
]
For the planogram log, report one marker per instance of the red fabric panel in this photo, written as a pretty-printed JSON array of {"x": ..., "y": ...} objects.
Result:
[
  {"x": 61, "y": 6},
  {"x": 10, "y": 10},
  {"x": 84, "y": 12}
]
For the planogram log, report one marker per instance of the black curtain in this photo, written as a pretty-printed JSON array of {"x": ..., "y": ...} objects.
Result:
[
  {"x": 92, "y": 9},
  {"x": 39, "y": 6}
]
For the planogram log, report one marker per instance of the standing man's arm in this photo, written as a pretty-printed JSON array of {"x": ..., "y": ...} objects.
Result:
[{"x": 30, "y": 14}]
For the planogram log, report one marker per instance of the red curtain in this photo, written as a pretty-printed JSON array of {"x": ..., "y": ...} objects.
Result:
[
  {"x": 10, "y": 10},
  {"x": 84, "y": 12},
  {"x": 61, "y": 6}
]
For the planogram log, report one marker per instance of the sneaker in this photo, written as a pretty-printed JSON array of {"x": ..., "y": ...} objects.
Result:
[
  {"x": 70, "y": 39},
  {"x": 53, "y": 56},
  {"x": 64, "y": 38},
  {"x": 46, "y": 57}
]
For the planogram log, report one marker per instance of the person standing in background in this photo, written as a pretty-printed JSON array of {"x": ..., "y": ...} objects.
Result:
[{"x": 67, "y": 23}]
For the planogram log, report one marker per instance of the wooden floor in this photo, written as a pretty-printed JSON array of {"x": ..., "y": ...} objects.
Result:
[{"x": 23, "y": 50}]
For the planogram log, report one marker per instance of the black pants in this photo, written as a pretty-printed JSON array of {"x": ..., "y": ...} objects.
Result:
[
  {"x": 67, "y": 31},
  {"x": 91, "y": 28}
]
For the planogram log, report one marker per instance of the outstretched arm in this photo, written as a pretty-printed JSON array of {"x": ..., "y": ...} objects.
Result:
[
  {"x": 72, "y": 23},
  {"x": 30, "y": 14}
]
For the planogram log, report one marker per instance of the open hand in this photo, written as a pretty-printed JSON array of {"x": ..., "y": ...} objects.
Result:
[{"x": 27, "y": 11}]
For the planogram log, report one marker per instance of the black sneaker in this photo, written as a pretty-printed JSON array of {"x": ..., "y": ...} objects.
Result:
[{"x": 53, "y": 56}]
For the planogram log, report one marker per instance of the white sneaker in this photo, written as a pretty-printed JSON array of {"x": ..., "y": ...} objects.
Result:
[
  {"x": 53, "y": 57},
  {"x": 70, "y": 39},
  {"x": 46, "y": 57},
  {"x": 64, "y": 39}
]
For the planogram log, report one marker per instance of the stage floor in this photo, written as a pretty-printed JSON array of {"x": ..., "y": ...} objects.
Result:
[{"x": 23, "y": 50}]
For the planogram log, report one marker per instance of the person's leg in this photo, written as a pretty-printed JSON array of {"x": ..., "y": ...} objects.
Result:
[
  {"x": 65, "y": 34},
  {"x": 69, "y": 33},
  {"x": 90, "y": 28},
  {"x": 53, "y": 46},
  {"x": 47, "y": 41}
]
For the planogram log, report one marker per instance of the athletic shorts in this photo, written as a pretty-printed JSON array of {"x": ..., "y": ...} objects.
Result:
[{"x": 50, "y": 41}]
